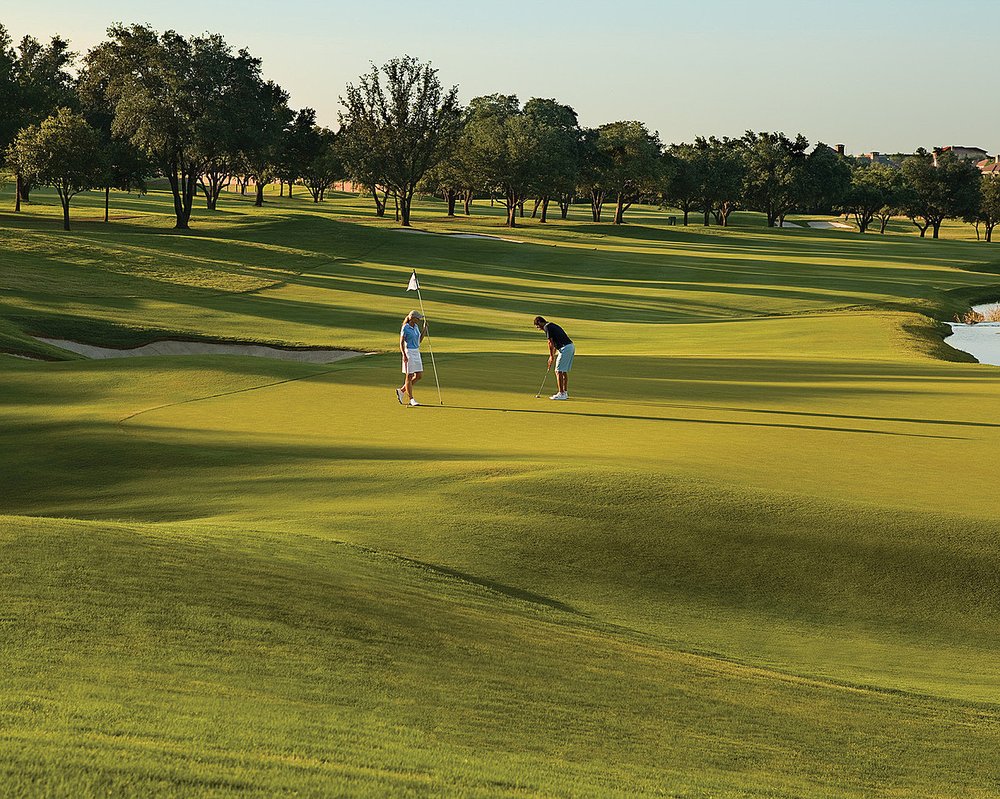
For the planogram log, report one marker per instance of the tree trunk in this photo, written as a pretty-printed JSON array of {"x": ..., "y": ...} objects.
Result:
[
  {"x": 107, "y": 201},
  {"x": 452, "y": 196},
  {"x": 289, "y": 190},
  {"x": 989, "y": 233},
  {"x": 545, "y": 210},
  {"x": 520, "y": 208},
  {"x": 686, "y": 211},
  {"x": 468, "y": 202},
  {"x": 17, "y": 193},
  {"x": 64, "y": 201},
  {"x": 511, "y": 203},
  {"x": 619, "y": 210},
  {"x": 937, "y": 227},
  {"x": 259, "y": 199},
  {"x": 534, "y": 210},
  {"x": 596, "y": 204},
  {"x": 706, "y": 213},
  {"x": 23, "y": 190}
]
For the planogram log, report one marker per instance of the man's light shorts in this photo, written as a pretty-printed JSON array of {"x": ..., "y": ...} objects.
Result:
[
  {"x": 414, "y": 362},
  {"x": 564, "y": 360}
]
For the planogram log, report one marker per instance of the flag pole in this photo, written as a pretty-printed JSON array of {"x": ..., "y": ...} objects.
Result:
[{"x": 429, "y": 345}]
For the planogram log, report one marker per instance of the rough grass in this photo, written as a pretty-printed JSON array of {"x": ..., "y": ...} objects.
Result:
[{"x": 742, "y": 561}]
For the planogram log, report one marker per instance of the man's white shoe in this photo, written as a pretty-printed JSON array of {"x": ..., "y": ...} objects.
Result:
[
  {"x": 400, "y": 395},
  {"x": 560, "y": 396},
  {"x": 413, "y": 403}
]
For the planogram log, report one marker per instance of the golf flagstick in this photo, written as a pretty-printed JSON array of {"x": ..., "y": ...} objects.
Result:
[{"x": 414, "y": 285}]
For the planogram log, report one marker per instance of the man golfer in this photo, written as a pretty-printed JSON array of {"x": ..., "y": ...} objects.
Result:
[
  {"x": 561, "y": 351},
  {"x": 410, "y": 336}
]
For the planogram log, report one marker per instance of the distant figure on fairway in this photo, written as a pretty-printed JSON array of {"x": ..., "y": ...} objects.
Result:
[
  {"x": 410, "y": 336},
  {"x": 561, "y": 351}
]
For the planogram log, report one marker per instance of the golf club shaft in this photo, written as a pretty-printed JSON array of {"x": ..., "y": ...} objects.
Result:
[{"x": 547, "y": 370}]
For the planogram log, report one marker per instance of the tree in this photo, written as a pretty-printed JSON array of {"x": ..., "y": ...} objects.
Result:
[
  {"x": 299, "y": 145},
  {"x": 558, "y": 167},
  {"x": 680, "y": 182},
  {"x": 261, "y": 150},
  {"x": 593, "y": 165},
  {"x": 988, "y": 212},
  {"x": 874, "y": 192},
  {"x": 364, "y": 165},
  {"x": 775, "y": 173},
  {"x": 63, "y": 152},
  {"x": 507, "y": 147},
  {"x": 125, "y": 167},
  {"x": 171, "y": 96},
  {"x": 325, "y": 166},
  {"x": 403, "y": 115},
  {"x": 632, "y": 161},
  {"x": 935, "y": 193},
  {"x": 826, "y": 180},
  {"x": 35, "y": 81}
]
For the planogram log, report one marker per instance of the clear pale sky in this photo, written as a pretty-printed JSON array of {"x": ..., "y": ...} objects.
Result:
[{"x": 881, "y": 74}]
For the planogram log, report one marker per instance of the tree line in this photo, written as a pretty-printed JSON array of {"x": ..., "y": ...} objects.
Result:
[{"x": 200, "y": 114}]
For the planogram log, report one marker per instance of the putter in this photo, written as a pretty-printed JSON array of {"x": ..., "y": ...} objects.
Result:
[{"x": 547, "y": 370}]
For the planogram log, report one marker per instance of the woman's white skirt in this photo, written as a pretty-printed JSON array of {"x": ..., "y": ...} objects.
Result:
[{"x": 414, "y": 363}]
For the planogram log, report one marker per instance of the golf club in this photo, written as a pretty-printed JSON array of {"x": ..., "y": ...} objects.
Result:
[{"x": 547, "y": 370}]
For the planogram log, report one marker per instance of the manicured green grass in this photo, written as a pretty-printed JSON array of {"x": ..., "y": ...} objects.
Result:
[{"x": 755, "y": 554}]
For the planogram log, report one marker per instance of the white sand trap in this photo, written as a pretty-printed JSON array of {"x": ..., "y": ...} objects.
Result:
[
  {"x": 171, "y": 347},
  {"x": 790, "y": 224},
  {"x": 981, "y": 341},
  {"x": 459, "y": 235},
  {"x": 824, "y": 224},
  {"x": 483, "y": 236}
]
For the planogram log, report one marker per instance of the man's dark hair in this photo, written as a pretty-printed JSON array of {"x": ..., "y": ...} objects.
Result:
[{"x": 539, "y": 320}]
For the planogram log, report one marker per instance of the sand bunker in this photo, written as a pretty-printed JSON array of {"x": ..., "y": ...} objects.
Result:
[
  {"x": 171, "y": 347},
  {"x": 790, "y": 224},
  {"x": 824, "y": 224},
  {"x": 981, "y": 341},
  {"x": 460, "y": 235}
]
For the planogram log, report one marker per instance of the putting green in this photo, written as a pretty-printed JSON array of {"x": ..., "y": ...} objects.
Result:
[{"x": 755, "y": 554}]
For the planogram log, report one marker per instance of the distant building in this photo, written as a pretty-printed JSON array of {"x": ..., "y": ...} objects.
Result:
[
  {"x": 990, "y": 166},
  {"x": 879, "y": 158},
  {"x": 962, "y": 153}
]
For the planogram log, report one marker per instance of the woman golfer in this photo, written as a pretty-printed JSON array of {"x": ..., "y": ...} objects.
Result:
[{"x": 410, "y": 336}]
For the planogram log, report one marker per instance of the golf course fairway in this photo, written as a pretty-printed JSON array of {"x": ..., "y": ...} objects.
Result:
[{"x": 755, "y": 554}]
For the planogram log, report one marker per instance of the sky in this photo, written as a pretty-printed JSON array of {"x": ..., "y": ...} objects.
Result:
[{"x": 873, "y": 75}]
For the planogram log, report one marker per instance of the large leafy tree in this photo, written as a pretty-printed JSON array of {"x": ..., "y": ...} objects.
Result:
[
  {"x": 631, "y": 162},
  {"x": 593, "y": 163},
  {"x": 558, "y": 167},
  {"x": 35, "y": 81},
  {"x": 227, "y": 133},
  {"x": 508, "y": 148},
  {"x": 988, "y": 212},
  {"x": 406, "y": 119},
  {"x": 126, "y": 168},
  {"x": 299, "y": 144},
  {"x": 874, "y": 193},
  {"x": 827, "y": 179},
  {"x": 64, "y": 152},
  {"x": 680, "y": 179},
  {"x": 262, "y": 146},
  {"x": 324, "y": 166},
  {"x": 775, "y": 173},
  {"x": 935, "y": 193},
  {"x": 171, "y": 97}
]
